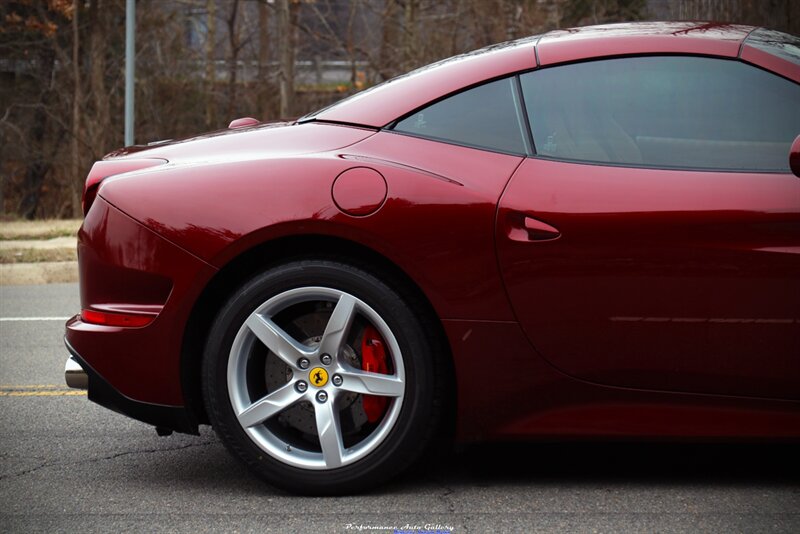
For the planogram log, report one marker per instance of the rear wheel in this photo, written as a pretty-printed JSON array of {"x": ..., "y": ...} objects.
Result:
[{"x": 320, "y": 377}]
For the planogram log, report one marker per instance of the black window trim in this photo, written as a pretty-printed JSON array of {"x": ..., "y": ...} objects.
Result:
[
  {"x": 519, "y": 104},
  {"x": 660, "y": 167}
]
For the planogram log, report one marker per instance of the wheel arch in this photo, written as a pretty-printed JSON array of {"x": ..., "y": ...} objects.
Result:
[{"x": 284, "y": 249}]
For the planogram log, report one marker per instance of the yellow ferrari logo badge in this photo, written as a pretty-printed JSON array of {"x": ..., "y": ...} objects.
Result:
[{"x": 318, "y": 377}]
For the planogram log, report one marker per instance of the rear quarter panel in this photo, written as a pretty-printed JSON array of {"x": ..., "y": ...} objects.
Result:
[{"x": 436, "y": 224}]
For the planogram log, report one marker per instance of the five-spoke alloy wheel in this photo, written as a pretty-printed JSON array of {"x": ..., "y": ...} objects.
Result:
[{"x": 320, "y": 377}]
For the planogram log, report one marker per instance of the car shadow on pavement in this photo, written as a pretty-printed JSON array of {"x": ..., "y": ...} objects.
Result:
[
  {"x": 640, "y": 462},
  {"x": 207, "y": 464}
]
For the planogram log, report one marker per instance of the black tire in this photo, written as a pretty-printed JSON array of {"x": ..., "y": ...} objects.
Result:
[{"x": 383, "y": 448}]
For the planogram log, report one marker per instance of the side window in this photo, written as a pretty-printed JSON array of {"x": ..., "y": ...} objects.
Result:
[
  {"x": 486, "y": 116},
  {"x": 664, "y": 111}
]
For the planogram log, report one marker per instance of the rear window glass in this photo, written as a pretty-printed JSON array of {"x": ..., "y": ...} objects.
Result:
[{"x": 486, "y": 116}]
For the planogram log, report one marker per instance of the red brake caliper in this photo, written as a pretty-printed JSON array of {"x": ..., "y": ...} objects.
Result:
[{"x": 373, "y": 359}]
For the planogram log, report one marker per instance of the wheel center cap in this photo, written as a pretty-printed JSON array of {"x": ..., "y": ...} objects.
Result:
[{"x": 318, "y": 377}]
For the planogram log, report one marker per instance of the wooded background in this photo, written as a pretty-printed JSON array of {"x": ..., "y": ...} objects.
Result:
[{"x": 201, "y": 63}]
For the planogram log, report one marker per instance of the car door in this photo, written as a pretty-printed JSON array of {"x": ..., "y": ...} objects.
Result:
[{"x": 654, "y": 240}]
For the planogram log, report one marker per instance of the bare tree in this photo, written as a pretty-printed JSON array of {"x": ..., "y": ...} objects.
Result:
[
  {"x": 233, "y": 59},
  {"x": 61, "y": 91},
  {"x": 99, "y": 129},
  {"x": 76, "y": 112},
  {"x": 263, "y": 57},
  {"x": 781, "y": 15},
  {"x": 286, "y": 59},
  {"x": 211, "y": 34}
]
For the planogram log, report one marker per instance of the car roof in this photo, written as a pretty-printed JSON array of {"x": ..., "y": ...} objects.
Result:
[
  {"x": 705, "y": 38},
  {"x": 382, "y": 104}
]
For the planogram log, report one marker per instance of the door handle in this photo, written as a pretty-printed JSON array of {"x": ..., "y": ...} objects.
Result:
[{"x": 526, "y": 228}]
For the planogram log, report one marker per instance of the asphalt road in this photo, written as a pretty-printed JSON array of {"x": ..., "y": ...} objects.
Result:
[{"x": 67, "y": 465}]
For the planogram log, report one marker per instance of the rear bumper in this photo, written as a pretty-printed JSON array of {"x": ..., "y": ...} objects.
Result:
[
  {"x": 136, "y": 370},
  {"x": 81, "y": 375}
]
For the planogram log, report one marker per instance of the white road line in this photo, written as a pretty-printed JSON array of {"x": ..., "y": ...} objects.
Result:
[{"x": 10, "y": 319}]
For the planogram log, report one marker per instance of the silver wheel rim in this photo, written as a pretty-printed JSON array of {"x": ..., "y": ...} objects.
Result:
[{"x": 254, "y": 415}]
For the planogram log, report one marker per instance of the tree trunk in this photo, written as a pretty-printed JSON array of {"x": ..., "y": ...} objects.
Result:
[
  {"x": 388, "y": 51},
  {"x": 263, "y": 58},
  {"x": 233, "y": 59},
  {"x": 39, "y": 164},
  {"x": 410, "y": 41},
  {"x": 211, "y": 75},
  {"x": 36, "y": 169},
  {"x": 99, "y": 128},
  {"x": 350, "y": 45},
  {"x": 76, "y": 178},
  {"x": 286, "y": 60}
]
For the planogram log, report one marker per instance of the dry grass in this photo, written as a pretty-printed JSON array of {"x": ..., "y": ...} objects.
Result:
[
  {"x": 36, "y": 255},
  {"x": 48, "y": 229},
  {"x": 38, "y": 250}
]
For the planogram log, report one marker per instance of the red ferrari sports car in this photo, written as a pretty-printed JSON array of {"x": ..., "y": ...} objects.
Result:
[{"x": 594, "y": 232}]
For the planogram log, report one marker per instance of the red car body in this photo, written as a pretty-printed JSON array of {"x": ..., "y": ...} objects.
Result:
[{"x": 574, "y": 299}]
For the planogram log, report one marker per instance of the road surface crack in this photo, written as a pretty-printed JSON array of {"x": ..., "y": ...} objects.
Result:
[
  {"x": 104, "y": 458},
  {"x": 445, "y": 495}
]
